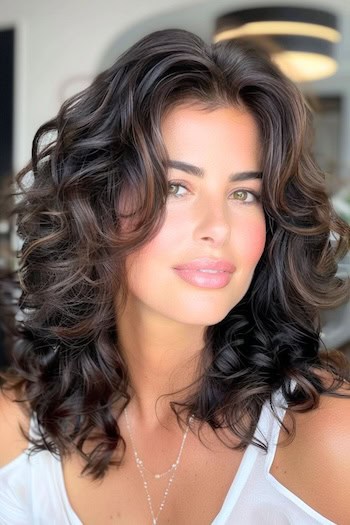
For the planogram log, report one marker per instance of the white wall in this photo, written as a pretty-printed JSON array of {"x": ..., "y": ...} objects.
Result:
[{"x": 58, "y": 41}]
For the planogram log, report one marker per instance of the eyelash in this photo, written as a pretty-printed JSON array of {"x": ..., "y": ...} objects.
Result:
[{"x": 256, "y": 196}]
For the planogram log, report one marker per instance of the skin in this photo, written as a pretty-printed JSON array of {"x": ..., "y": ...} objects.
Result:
[{"x": 161, "y": 330}]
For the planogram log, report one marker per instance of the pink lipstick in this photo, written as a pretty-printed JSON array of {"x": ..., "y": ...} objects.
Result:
[{"x": 206, "y": 272}]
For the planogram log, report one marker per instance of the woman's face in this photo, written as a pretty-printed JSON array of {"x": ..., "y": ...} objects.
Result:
[{"x": 212, "y": 216}]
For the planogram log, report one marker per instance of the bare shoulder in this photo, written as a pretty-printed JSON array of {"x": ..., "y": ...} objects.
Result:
[
  {"x": 12, "y": 442},
  {"x": 316, "y": 466}
]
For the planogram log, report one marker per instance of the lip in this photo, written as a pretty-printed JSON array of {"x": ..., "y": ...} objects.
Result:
[
  {"x": 190, "y": 272},
  {"x": 206, "y": 263}
]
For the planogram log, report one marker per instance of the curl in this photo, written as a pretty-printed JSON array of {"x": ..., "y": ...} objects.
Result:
[{"x": 99, "y": 165}]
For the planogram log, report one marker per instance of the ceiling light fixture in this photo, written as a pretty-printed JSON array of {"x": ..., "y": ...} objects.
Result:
[{"x": 301, "y": 39}]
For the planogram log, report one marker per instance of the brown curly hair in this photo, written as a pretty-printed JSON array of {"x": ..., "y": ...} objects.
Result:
[{"x": 105, "y": 146}]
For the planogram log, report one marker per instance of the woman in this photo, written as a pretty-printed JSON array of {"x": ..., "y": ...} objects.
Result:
[{"x": 175, "y": 258}]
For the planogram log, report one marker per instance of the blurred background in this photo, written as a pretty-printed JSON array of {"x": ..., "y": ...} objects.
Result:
[{"x": 51, "y": 50}]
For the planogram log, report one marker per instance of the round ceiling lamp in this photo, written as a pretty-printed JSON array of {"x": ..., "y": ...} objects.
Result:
[{"x": 301, "y": 40}]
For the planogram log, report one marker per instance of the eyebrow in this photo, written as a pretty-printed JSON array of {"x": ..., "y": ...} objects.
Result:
[{"x": 199, "y": 172}]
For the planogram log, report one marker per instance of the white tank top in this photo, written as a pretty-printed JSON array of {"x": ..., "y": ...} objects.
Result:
[{"x": 32, "y": 490}]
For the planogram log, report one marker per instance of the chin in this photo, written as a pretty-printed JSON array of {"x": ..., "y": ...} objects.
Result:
[{"x": 203, "y": 318}]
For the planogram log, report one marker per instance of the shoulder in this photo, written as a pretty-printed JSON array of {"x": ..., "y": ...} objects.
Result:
[
  {"x": 318, "y": 461},
  {"x": 12, "y": 415},
  {"x": 328, "y": 428}
]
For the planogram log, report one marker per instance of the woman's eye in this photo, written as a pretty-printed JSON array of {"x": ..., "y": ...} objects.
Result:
[
  {"x": 172, "y": 185},
  {"x": 245, "y": 196}
]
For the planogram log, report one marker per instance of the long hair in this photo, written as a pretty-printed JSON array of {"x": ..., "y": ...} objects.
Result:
[{"x": 101, "y": 160}]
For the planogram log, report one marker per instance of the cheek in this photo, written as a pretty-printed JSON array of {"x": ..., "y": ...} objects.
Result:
[
  {"x": 155, "y": 253},
  {"x": 252, "y": 242},
  {"x": 163, "y": 246}
]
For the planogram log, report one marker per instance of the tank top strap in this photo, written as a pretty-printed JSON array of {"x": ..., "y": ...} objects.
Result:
[{"x": 280, "y": 406}]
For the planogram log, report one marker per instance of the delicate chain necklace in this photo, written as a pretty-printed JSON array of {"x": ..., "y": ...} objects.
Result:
[{"x": 142, "y": 468}]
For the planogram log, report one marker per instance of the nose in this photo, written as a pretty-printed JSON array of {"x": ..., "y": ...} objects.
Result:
[{"x": 212, "y": 225}]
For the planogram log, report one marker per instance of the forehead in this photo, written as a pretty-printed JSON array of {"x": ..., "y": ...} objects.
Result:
[{"x": 192, "y": 131}]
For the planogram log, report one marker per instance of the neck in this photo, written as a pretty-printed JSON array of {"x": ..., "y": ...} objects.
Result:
[{"x": 162, "y": 358}]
